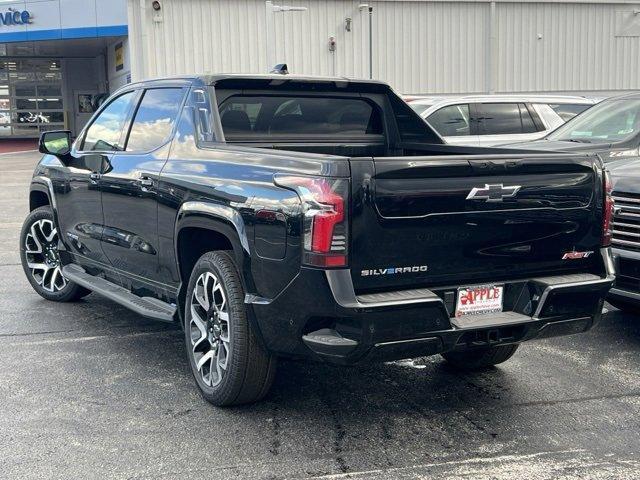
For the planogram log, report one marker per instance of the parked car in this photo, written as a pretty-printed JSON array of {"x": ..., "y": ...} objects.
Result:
[
  {"x": 611, "y": 128},
  {"x": 625, "y": 176},
  {"x": 313, "y": 218},
  {"x": 494, "y": 119}
]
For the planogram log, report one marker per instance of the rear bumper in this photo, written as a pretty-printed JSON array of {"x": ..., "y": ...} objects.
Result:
[{"x": 319, "y": 315}]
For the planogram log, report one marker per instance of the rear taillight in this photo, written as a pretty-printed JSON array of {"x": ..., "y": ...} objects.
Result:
[
  {"x": 325, "y": 218},
  {"x": 607, "y": 218}
]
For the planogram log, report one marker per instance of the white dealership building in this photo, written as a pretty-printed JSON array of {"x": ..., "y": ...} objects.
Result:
[
  {"x": 57, "y": 56},
  {"x": 418, "y": 46}
]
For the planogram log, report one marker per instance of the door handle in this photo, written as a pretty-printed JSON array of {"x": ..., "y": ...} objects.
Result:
[{"x": 145, "y": 182}]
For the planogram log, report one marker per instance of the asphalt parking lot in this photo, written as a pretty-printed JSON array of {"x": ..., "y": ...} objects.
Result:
[{"x": 91, "y": 390}]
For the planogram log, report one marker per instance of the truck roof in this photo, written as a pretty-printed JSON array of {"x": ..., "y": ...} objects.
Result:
[{"x": 234, "y": 80}]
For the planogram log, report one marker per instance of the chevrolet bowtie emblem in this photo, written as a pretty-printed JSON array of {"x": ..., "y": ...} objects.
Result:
[{"x": 493, "y": 192}]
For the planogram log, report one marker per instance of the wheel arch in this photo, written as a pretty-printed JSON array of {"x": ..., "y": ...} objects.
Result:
[
  {"x": 38, "y": 196},
  {"x": 202, "y": 227}
]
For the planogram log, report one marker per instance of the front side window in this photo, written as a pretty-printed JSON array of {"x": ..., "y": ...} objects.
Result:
[
  {"x": 154, "y": 119},
  {"x": 106, "y": 130},
  {"x": 611, "y": 121},
  {"x": 451, "y": 121}
]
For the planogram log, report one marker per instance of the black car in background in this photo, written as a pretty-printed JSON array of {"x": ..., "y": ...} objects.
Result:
[
  {"x": 625, "y": 175},
  {"x": 611, "y": 128}
]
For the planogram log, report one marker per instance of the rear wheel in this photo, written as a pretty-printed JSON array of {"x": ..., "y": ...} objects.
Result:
[
  {"x": 41, "y": 260},
  {"x": 480, "y": 358},
  {"x": 229, "y": 364}
]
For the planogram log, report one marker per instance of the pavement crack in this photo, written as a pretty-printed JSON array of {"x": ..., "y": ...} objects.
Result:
[
  {"x": 31, "y": 334},
  {"x": 88, "y": 338},
  {"x": 589, "y": 398},
  {"x": 338, "y": 430},
  {"x": 275, "y": 432}
]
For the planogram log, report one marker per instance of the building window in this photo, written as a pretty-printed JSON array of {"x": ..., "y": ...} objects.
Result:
[{"x": 31, "y": 99}]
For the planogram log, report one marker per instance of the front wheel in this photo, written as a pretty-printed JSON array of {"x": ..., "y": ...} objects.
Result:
[
  {"x": 41, "y": 260},
  {"x": 480, "y": 358},
  {"x": 228, "y": 362}
]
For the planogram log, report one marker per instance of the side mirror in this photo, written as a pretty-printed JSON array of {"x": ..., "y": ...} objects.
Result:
[{"x": 57, "y": 142}]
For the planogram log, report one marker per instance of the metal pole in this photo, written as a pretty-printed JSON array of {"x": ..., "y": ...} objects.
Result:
[
  {"x": 370, "y": 42},
  {"x": 369, "y": 8}
]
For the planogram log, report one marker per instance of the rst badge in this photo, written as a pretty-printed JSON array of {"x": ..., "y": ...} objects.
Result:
[
  {"x": 576, "y": 255},
  {"x": 393, "y": 270}
]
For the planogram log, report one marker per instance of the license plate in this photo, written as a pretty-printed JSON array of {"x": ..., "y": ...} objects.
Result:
[{"x": 479, "y": 300}]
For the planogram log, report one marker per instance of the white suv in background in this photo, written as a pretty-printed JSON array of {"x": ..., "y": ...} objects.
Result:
[{"x": 495, "y": 119}]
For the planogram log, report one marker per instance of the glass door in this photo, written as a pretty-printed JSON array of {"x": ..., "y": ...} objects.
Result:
[{"x": 30, "y": 96}]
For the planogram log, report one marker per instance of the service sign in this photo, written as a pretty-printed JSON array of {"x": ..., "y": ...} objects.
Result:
[
  {"x": 479, "y": 300},
  {"x": 15, "y": 17}
]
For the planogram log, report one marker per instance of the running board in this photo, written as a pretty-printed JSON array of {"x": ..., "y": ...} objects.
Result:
[{"x": 146, "y": 306}]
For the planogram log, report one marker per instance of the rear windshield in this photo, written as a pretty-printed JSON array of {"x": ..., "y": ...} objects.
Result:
[{"x": 255, "y": 116}]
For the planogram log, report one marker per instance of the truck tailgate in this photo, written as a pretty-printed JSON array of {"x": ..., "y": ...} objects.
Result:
[{"x": 429, "y": 221}]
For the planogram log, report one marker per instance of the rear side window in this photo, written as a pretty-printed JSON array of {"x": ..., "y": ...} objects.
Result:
[
  {"x": 260, "y": 116},
  {"x": 106, "y": 130},
  {"x": 504, "y": 119},
  {"x": 154, "y": 119},
  {"x": 451, "y": 121},
  {"x": 566, "y": 111}
]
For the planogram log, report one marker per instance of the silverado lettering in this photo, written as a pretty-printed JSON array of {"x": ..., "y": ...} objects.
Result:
[{"x": 391, "y": 271}]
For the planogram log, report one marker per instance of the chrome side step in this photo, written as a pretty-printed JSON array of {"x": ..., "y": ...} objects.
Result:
[{"x": 146, "y": 306}]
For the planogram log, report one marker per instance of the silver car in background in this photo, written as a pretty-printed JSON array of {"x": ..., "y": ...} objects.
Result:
[{"x": 497, "y": 119}]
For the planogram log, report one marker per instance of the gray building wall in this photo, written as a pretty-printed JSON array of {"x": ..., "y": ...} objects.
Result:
[{"x": 418, "y": 46}]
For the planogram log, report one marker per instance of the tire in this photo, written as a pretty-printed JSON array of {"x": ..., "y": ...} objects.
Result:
[
  {"x": 480, "y": 358},
  {"x": 626, "y": 307},
  {"x": 229, "y": 364},
  {"x": 39, "y": 248}
]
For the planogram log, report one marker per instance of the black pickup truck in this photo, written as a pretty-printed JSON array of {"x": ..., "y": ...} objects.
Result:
[{"x": 311, "y": 217}]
